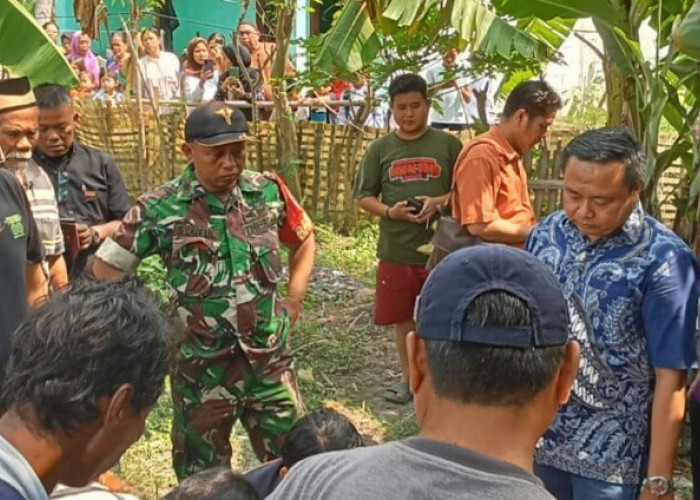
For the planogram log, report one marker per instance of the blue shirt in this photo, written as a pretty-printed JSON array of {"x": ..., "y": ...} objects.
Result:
[{"x": 637, "y": 292}]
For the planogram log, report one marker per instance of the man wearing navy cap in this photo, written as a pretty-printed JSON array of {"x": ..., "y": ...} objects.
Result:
[
  {"x": 489, "y": 365},
  {"x": 218, "y": 228}
]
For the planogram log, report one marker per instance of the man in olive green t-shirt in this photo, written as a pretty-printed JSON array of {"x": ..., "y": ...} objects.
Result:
[{"x": 415, "y": 162}]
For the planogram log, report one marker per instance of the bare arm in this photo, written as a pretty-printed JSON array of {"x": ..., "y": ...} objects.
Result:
[
  {"x": 37, "y": 284},
  {"x": 58, "y": 273},
  {"x": 500, "y": 231},
  {"x": 301, "y": 263},
  {"x": 667, "y": 413},
  {"x": 400, "y": 210}
]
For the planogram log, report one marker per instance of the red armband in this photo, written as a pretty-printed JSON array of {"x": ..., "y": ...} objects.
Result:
[{"x": 297, "y": 225}]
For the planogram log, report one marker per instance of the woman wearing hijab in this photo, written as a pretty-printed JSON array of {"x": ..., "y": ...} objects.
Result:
[
  {"x": 160, "y": 69},
  {"x": 80, "y": 49},
  {"x": 200, "y": 81},
  {"x": 122, "y": 62}
]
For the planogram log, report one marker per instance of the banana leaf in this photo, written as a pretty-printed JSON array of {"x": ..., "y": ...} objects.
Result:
[
  {"x": 25, "y": 50},
  {"x": 686, "y": 37}
]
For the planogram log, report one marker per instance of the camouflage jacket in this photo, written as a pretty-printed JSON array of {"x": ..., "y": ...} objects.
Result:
[{"x": 222, "y": 260}]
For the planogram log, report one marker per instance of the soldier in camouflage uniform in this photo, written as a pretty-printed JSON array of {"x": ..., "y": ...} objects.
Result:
[{"x": 218, "y": 228}]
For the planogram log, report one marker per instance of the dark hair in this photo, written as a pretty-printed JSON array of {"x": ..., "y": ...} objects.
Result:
[
  {"x": 487, "y": 375},
  {"x": 218, "y": 483},
  {"x": 47, "y": 24},
  {"x": 244, "y": 54},
  {"x": 85, "y": 343},
  {"x": 249, "y": 23},
  {"x": 216, "y": 36},
  {"x": 408, "y": 82},
  {"x": 66, "y": 36},
  {"x": 536, "y": 97},
  {"x": 191, "y": 64},
  {"x": 609, "y": 145},
  {"x": 110, "y": 74},
  {"x": 318, "y": 432},
  {"x": 119, "y": 34},
  {"x": 51, "y": 96}
]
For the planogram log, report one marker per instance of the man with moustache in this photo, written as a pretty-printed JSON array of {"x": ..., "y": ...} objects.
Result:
[
  {"x": 218, "y": 227},
  {"x": 22, "y": 279}
]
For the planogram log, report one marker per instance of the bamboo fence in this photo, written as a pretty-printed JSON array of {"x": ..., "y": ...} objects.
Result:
[{"x": 328, "y": 157}]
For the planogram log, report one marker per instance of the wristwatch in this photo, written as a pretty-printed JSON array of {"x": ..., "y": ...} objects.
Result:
[
  {"x": 95, "y": 237},
  {"x": 658, "y": 485}
]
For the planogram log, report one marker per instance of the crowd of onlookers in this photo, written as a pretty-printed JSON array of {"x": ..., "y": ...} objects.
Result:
[{"x": 240, "y": 70}]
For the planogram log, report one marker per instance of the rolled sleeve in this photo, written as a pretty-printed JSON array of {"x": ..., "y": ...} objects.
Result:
[
  {"x": 477, "y": 181},
  {"x": 670, "y": 311},
  {"x": 137, "y": 237}
]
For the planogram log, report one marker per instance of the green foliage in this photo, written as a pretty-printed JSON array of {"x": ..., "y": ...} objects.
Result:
[
  {"x": 585, "y": 103},
  {"x": 152, "y": 271},
  {"x": 354, "y": 254},
  {"x": 26, "y": 50}
]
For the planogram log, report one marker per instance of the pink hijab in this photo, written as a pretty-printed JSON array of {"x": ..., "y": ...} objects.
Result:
[{"x": 92, "y": 65}]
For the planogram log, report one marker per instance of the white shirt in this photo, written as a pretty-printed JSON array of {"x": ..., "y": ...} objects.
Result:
[
  {"x": 162, "y": 74},
  {"x": 193, "y": 93},
  {"x": 454, "y": 109}
]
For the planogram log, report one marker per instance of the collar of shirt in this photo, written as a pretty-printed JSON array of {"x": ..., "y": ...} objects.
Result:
[
  {"x": 628, "y": 234},
  {"x": 31, "y": 173},
  {"x": 504, "y": 147},
  {"x": 190, "y": 188},
  {"x": 60, "y": 163}
]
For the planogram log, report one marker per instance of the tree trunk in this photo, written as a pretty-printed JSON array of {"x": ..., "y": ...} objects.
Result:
[
  {"x": 287, "y": 147},
  {"x": 43, "y": 11}
]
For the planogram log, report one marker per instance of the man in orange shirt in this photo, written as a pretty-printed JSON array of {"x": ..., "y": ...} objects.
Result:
[{"x": 490, "y": 197}]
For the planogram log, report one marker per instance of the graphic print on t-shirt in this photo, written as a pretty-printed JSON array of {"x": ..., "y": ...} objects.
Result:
[{"x": 414, "y": 169}]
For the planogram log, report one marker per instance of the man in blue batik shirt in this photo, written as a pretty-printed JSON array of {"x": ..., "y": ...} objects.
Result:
[{"x": 636, "y": 286}]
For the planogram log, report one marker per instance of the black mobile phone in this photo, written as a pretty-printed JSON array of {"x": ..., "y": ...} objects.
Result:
[
  {"x": 208, "y": 65},
  {"x": 415, "y": 204}
]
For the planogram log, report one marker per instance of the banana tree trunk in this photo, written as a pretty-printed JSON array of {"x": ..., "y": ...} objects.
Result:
[
  {"x": 43, "y": 11},
  {"x": 287, "y": 147}
]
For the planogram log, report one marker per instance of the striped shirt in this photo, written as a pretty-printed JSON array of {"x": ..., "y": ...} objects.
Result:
[{"x": 42, "y": 200}]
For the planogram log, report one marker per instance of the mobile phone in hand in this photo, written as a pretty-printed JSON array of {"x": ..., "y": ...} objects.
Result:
[
  {"x": 208, "y": 66},
  {"x": 416, "y": 205}
]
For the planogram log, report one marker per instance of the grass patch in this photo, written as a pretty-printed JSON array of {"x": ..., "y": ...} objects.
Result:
[{"x": 342, "y": 361}]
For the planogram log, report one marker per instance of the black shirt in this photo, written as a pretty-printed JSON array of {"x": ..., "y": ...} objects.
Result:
[
  {"x": 19, "y": 244},
  {"x": 89, "y": 189}
]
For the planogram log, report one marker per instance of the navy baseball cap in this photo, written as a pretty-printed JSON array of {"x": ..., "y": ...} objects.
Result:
[
  {"x": 215, "y": 123},
  {"x": 469, "y": 272}
]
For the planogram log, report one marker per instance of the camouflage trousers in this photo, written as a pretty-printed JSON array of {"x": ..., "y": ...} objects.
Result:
[{"x": 209, "y": 395}]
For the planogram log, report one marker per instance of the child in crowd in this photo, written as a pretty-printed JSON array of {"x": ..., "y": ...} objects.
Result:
[
  {"x": 87, "y": 85},
  {"x": 318, "y": 432},
  {"x": 218, "y": 483},
  {"x": 108, "y": 90}
]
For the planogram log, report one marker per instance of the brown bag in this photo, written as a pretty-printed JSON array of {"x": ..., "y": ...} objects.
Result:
[{"x": 450, "y": 235}]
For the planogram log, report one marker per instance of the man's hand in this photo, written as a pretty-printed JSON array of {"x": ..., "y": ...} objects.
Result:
[
  {"x": 234, "y": 86},
  {"x": 84, "y": 236},
  {"x": 294, "y": 306},
  {"x": 430, "y": 206},
  {"x": 402, "y": 211}
]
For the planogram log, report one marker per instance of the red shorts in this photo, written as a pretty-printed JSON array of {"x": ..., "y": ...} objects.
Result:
[{"x": 398, "y": 285}]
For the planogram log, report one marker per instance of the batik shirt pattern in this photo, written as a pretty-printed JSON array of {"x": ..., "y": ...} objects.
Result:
[{"x": 638, "y": 290}]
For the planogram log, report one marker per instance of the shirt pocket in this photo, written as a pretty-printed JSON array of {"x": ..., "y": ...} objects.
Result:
[
  {"x": 267, "y": 266},
  {"x": 94, "y": 196},
  {"x": 195, "y": 268}
]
